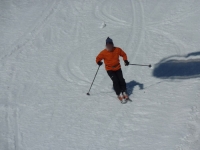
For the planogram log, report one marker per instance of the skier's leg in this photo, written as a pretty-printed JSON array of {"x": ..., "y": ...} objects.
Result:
[
  {"x": 121, "y": 80},
  {"x": 122, "y": 84},
  {"x": 114, "y": 78}
]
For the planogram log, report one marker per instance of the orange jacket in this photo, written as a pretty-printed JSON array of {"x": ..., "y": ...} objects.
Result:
[{"x": 111, "y": 59}]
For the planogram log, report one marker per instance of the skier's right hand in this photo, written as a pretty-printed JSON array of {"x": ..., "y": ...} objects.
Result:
[{"x": 100, "y": 63}]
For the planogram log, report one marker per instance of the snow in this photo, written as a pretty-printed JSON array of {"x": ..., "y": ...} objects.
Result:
[{"x": 47, "y": 64}]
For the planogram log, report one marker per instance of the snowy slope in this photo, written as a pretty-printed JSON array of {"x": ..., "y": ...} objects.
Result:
[{"x": 47, "y": 63}]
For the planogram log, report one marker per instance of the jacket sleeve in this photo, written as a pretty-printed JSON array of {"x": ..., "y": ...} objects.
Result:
[
  {"x": 123, "y": 54},
  {"x": 99, "y": 57}
]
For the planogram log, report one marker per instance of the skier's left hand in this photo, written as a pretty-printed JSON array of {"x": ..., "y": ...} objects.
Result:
[{"x": 126, "y": 62}]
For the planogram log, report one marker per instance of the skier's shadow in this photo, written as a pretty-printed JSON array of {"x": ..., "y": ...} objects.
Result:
[{"x": 131, "y": 85}]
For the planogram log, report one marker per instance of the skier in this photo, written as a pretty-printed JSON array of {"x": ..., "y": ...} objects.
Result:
[{"x": 110, "y": 55}]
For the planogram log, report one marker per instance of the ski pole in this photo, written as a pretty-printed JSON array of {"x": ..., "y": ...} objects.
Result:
[
  {"x": 93, "y": 81},
  {"x": 141, "y": 65}
]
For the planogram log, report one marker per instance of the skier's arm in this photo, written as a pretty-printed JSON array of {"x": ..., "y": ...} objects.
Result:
[
  {"x": 99, "y": 58},
  {"x": 123, "y": 54}
]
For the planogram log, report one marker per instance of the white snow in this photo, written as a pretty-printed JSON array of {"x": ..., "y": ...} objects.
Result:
[{"x": 47, "y": 63}]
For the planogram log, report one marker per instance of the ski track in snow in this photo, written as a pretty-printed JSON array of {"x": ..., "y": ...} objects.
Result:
[
  {"x": 137, "y": 30},
  {"x": 16, "y": 48},
  {"x": 65, "y": 67},
  {"x": 69, "y": 68},
  {"x": 191, "y": 140},
  {"x": 175, "y": 19},
  {"x": 102, "y": 14},
  {"x": 179, "y": 44},
  {"x": 32, "y": 31}
]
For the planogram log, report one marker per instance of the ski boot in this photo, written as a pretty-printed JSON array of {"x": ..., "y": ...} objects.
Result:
[
  {"x": 121, "y": 98},
  {"x": 126, "y": 97}
]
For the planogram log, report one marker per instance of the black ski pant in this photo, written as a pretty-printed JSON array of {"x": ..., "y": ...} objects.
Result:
[{"x": 119, "y": 83}]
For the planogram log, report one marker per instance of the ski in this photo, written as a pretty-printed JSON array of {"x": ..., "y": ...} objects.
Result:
[
  {"x": 126, "y": 100},
  {"x": 129, "y": 100}
]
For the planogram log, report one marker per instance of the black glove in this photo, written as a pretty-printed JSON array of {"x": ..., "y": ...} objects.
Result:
[
  {"x": 100, "y": 63},
  {"x": 126, "y": 62}
]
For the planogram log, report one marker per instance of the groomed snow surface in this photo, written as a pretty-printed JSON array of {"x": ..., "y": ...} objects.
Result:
[{"x": 47, "y": 63}]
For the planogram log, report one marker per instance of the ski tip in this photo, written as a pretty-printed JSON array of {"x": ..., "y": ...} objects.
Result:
[
  {"x": 129, "y": 100},
  {"x": 124, "y": 102}
]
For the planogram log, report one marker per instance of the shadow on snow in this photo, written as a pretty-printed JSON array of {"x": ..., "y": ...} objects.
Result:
[
  {"x": 178, "y": 67},
  {"x": 131, "y": 85}
]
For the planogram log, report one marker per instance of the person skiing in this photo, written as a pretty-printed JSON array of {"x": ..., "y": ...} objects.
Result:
[{"x": 110, "y": 55}]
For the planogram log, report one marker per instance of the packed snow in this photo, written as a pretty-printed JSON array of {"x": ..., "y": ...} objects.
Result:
[{"x": 47, "y": 63}]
